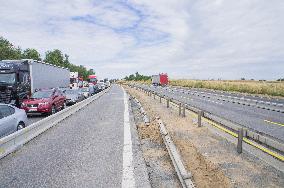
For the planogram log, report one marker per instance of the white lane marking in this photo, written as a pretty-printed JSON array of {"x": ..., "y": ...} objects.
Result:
[{"x": 128, "y": 179}]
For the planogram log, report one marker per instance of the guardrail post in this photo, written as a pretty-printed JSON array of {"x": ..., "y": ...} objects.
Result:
[
  {"x": 179, "y": 109},
  {"x": 183, "y": 111},
  {"x": 240, "y": 141},
  {"x": 154, "y": 95},
  {"x": 200, "y": 115},
  {"x": 168, "y": 102}
]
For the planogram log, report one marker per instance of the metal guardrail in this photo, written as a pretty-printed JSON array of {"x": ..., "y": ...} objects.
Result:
[
  {"x": 16, "y": 140},
  {"x": 232, "y": 128},
  {"x": 183, "y": 175}
]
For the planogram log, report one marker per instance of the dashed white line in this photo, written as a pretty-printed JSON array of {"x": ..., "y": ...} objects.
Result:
[{"x": 128, "y": 180}]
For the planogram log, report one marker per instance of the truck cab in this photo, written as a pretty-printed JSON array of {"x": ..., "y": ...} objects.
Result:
[{"x": 14, "y": 81}]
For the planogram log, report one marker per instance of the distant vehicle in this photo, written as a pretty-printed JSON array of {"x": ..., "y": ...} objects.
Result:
[
  {"x": 11, "y": 119},
  {"x": 107, "y": 83},
  {"x": 101, "y": 85},
  {"x": 96, "y": 88},
  {"x": 160, "y": 79},
  {"x": 93, "y": 79},
  {"x": 85, "y": 91},
  {"x": 74, "y": 80},
  {"x": 73, "y": 96},
  {"x": 45, "y": 102},
  {"x": 85, "y": 84},
  {"x": 91, "y": 89},
  {"x": 21, "y": 78}
]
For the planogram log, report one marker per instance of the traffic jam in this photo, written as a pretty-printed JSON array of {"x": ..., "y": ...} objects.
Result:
[{"x": 30, "y": 88}]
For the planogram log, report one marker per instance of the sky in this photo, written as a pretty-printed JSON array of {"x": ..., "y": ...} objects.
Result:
[{"x": 194, "y": 39}]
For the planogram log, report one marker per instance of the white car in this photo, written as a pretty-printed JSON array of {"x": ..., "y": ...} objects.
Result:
[
  {"x": 12, "y": 119},
  {"x": 85, "y": 91},
  {"x": 101, "y": 85}
]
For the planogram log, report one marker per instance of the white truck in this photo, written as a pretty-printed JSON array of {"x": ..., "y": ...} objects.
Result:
[
  {"x": 74, "y": 80},
  {"x": 20, "y": 78}
]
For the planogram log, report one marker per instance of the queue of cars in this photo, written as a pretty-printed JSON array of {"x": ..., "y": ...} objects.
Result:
[{"x": 41, "y": 102}]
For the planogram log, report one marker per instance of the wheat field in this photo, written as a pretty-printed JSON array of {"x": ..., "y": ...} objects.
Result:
[{"x": 272, "y": 88}]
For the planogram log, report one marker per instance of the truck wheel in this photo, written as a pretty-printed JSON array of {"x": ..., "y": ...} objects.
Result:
[{"x": 20, "y": 126}]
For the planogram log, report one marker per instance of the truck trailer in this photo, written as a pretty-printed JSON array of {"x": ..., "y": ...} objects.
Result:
[
  {"x": 160, "y": 79},
  {"x": 20, "y": 78}
]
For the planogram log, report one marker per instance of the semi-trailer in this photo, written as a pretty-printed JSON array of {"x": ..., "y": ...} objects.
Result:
[
  {"x": 20, "y": 78},
  {"x": 160, "y": 79}
]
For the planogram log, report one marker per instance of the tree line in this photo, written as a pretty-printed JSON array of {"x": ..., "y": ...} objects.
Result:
[
  {"x": 137, "y": 77},
  {"x": 55, "y": 57}
]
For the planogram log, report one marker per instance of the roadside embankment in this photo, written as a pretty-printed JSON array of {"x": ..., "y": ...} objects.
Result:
[{"x": 212, "y": 160}]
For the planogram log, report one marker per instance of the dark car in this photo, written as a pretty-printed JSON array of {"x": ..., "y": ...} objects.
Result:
[
  {"x": 73, "y": 96},
  {"x": 44, "y": 102}
]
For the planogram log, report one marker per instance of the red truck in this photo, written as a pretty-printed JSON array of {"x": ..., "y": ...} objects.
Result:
[
  {"x": 160, "y": 79},
  {"x": 93, "y": 79}
]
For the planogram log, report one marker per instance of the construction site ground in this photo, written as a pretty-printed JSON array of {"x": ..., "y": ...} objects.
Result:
[{"x": 212, "y": 160}]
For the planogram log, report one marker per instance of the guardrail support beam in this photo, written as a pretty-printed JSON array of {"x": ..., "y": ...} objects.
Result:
[
  {"x": 240, "y": 141},
  {"x": 160, "y": 99},
  {"x": 200, "y": 115},
  {"x": 179, "y": 109},
  {"x": 168, "y": 102},
  {"x": 183, "y": 111}
]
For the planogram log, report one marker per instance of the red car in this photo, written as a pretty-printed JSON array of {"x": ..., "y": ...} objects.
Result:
[{"x": 44, "y": 102}]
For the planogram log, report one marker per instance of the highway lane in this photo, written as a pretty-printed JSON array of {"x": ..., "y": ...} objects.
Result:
[
  {"x": 34, "y": 119},
  {"x": 248, "y": 116},
  {"x": 241, "y": 95},
  {"x": 85, "y": 150}
]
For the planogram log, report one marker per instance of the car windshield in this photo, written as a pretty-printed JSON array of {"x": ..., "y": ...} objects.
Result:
[
  {"x": 71, "y": 92},
  {"x": 41, "y": 94},
  {"x": 8, "y": 78},
  {"x": 93, "y": 80}
]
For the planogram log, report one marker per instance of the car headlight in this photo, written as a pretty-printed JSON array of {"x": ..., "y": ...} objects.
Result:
[{"x": 24, "y": 104}]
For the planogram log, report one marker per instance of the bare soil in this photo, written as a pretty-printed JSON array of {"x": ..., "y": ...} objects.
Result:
[
  {"x": 212, "y": 160},
  {"x": 160, "y": 169}
]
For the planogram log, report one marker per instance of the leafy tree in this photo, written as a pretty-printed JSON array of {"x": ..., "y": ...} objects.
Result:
[
  {"x": 54, "y": 57},
  {"x": 8, "y": 51},
  {"x": 137, "y": 77},
  {"x": 31, "y": 53}
]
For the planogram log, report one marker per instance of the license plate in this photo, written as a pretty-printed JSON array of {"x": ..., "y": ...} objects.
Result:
[{"x": 32, "y": 110}]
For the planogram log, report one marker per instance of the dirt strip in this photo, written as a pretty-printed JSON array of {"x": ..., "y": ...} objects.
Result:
[
  {"x": 212, "y": 160},
  {"x": 160, "y": 169}
]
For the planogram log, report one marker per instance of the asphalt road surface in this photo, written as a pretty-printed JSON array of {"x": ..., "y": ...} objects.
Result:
[
  {"x": 88, "y": 149},
  {"x": 241, "y": 109}
]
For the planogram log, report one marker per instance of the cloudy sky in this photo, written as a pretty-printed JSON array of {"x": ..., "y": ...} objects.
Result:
[{"x": 200, "y": 39}]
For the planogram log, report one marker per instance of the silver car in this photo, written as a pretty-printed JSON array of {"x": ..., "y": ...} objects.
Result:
[{"x": 11, "y": 119}]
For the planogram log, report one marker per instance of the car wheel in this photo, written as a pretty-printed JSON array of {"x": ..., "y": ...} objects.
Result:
[
  {"x": 20, "y": 126},
  {"x": 64, "y": 105},
  {"x": 53, "y": 110}
]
